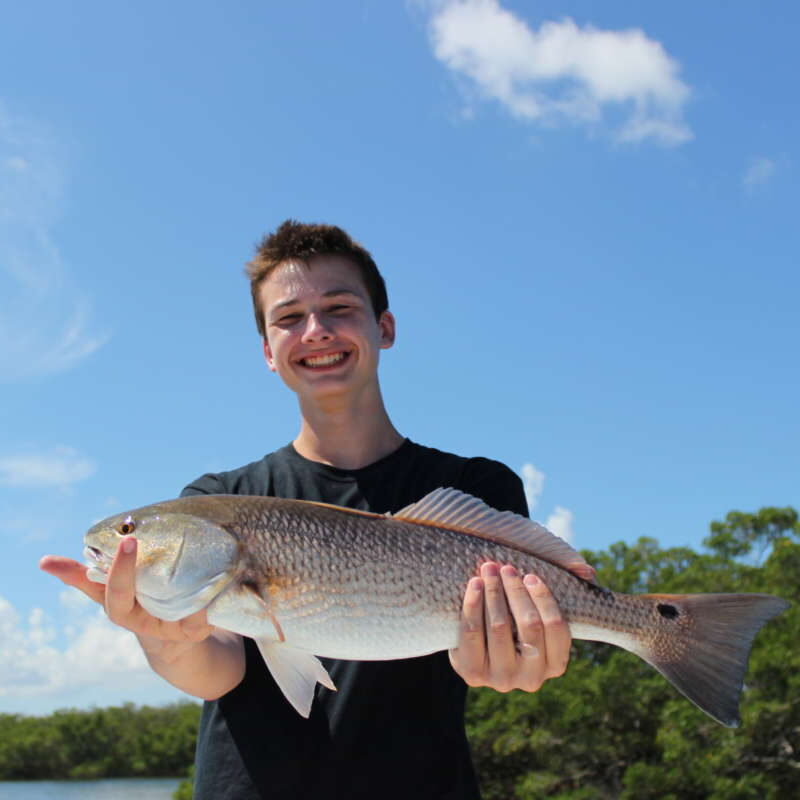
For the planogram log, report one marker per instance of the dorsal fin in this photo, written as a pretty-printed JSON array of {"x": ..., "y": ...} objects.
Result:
[{"x": 450, "y": 508}]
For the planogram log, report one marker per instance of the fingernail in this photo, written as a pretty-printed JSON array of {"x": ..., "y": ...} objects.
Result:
[
  {"x": 531, "y": 580},
  {"x": 509, "y": 571},
  {"x": 129, "y": 544},
  {"x": 476, "y": 584},
  {"x": 490, "y": 570}
]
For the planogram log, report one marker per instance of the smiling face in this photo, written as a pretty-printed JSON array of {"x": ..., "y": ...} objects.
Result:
[{"x": 322, "y": 335}]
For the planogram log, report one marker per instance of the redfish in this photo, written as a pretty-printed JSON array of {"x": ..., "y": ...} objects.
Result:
[{"x": 306, "y": 579}]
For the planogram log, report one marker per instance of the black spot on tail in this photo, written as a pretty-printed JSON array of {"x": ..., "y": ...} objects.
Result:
[
  {"x": 714, "y": 648},
  {"x": 667, "y": 611}
]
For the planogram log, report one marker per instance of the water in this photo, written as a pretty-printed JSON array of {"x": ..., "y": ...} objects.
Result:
[{"x": 109, "y": 789}]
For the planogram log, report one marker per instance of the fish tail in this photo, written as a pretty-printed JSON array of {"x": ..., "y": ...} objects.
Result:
[{"x": 703, "y": 645}]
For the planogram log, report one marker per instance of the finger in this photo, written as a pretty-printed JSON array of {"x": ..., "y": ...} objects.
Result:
[
  {"x": 499, "y": 630},
  {"x": 528, "y": 622},
  {"x": 531, "y": 660},
  {"x": 557, "y": 639},
  {"x": 73, "y": 574},
  {"x": 584, "y": 570},
  {"x": 469, "y": 657},
  {"x": 121, "y": 585}
]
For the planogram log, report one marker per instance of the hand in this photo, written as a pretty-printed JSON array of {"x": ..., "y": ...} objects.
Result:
[
  {"x": 487, "y": 654},
  {"x": 118, "y": 596}
]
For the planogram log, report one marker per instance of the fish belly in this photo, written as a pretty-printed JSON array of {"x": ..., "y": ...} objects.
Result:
[{"x": 369, "y": 633}]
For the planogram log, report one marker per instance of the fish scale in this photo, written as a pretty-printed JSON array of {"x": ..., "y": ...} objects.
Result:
[
  {"x": 306, "y": 579},
  {"x": 400, "y": 552}
]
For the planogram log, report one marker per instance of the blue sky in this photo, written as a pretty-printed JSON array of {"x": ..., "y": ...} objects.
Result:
[{"x": 586, "y": 214}]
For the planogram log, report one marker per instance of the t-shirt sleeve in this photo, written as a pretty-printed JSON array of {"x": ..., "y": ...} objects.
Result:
[
  {"x": 253, "y": 478},
  {"x": 496, "y": 484},
  {"x": 205, "y": 484}
]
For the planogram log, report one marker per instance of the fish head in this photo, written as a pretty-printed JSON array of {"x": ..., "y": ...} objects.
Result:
[{"x": 183, "y": 560}]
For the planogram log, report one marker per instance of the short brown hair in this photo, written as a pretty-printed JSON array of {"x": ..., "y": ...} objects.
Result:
[{"x": 298, "y": 241}]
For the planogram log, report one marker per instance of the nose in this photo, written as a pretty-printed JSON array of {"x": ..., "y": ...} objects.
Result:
[{"x": 316, "y": 329}]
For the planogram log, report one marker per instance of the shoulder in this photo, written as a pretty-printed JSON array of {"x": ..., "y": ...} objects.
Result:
[
  {"x": 492, "y": 481},
  {"x": 252, "y": 478}
]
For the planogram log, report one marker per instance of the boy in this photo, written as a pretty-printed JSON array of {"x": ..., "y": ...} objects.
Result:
[{"x": 393, "y": 729}]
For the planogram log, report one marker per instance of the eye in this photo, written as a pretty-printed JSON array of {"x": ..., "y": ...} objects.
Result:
[{"x": 127, "y": 527}]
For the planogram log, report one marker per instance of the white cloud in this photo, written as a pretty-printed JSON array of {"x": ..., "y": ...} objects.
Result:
[
  {"x": 58, "y": 468},
  {"x": 95, "y": 654},
  {"x": 45, "y": 320},
  {"x": 560, "y": 523},
  {"x": 560, "y": 519},
  {"x": 562, "y": 72},
  {"x": 71, "y": 600},
  {"x": 758, "y": 172},
  {"x": 533, "y": 482}
]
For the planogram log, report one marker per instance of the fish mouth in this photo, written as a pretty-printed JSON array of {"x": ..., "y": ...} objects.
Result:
[{"x": 96, "y": 559}]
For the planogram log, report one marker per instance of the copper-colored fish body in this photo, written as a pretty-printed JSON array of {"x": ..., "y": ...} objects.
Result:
[{"x": 307, "y": 579}]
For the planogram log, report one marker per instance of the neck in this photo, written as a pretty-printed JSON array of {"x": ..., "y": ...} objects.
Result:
[{"x": 346, "y": 436}]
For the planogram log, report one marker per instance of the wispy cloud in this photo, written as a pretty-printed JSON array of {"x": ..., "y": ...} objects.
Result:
[
  {"x": 58, "y": 468},
  {"x": 758, "y": 172},
  {"x": 562, "y": 72},
  {"x": 533, "y": 483},
  {"x": 45, "y": 319},
  {"x": 560, "y": 523},
  {"x": 16, "y": 163},
  {"x": 560, "y": 519}
]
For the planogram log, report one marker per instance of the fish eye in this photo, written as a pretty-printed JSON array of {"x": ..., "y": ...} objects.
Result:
[{"x": 127, "y": 527}]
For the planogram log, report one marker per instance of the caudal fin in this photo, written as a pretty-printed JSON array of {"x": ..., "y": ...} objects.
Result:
[{"x": 705, "y": 654}]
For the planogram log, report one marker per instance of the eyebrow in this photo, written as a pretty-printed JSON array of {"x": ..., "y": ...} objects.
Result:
[{"x": 330, "y": 293}]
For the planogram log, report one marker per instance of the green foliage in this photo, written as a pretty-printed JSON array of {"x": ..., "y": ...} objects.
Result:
[
  {"x": 613, "y": 728},
  {"x": 185, "y": 788},
  {"x": 118, "y": 742},
  {"x": 740, "y": 533}
]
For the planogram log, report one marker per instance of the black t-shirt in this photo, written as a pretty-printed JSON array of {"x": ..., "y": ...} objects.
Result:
[{"x": 394, "y": 729}]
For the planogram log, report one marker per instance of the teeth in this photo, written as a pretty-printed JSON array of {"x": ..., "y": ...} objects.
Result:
[{"x": 323, "y": 361}]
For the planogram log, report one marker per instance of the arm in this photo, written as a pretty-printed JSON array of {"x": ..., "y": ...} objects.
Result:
[{"x": 189, "y": 653}]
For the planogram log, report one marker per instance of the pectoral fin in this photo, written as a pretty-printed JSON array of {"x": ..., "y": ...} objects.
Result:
[{"x": 295, "y": 671}]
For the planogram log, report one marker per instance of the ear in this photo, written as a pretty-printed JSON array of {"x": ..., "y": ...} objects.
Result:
[
  {"x": 268, "y": 355},
  {"x": 386, "y": 329}
]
